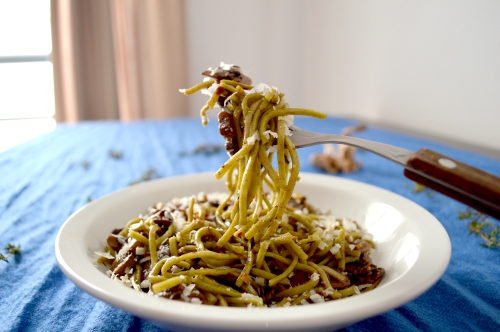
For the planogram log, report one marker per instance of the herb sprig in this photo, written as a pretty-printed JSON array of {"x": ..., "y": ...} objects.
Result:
[
  {"x": 12, "y": 250},
  {"x": 115, "y": 154},
  {"x": 207, "y": 149},
  {"x": 480, "y": 225},
  {"x": 148, "y": 175},
  {"x": 420, "y": 188}
]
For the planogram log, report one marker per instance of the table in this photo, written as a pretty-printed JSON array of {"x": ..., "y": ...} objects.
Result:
[{"x": 48, "y": 178}]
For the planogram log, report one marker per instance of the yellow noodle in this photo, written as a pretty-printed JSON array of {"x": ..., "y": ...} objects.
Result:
[
  {"x": 197, "y": 87},
  {"x": 232, "y": 161},
  {"x": 214, "y": 287},
  {"x": 246, "y": 270},
  {"x": 124, "y": 231},
  {"x": 152, "y": 244},
  {"x": 199, "y": 254},
  {"x": 173, "y": 245},
  {"x": 139, "y": 237},
  {"x": 285, "y": 274},
  {"x": 170, "y": 231},
  {"x": 167, "y": 284},
  {"x": 293, "y": 291},
  {"x": 322, "y": 274},
  {"x": 222, "y": 301}
]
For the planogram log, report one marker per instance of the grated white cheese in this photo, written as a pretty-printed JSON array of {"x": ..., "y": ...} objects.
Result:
[
  {"x": 125, "y": 280},
  {"x": 315, "y": 276},
  {"x": 316, "y": 298},
  {"x": 327, "y": 235},
  {"x": 328, "y": 291},
  {"x": 188, "y": 290},
  {"x": 349, "y": 225},
  {"x": 179, "y": 219},
  {"x": 260, "y": 281},
  {"x": 321, "y": 245},
  {"x": 261, "y": 87},
  {"x": 268, "y": 133},
  {"x": 288, "y": 119},
  {"x": 252, "y": 139},
  {"x": 352, "y": 246},
  {"x": 288, "y": 132},
  {"x": 140, "y": 251},
  {"x": 301, "y": 227},
  {"x": 147, "y": 258},
  {"x": 210, "y": 90},
  {"x": 335, "y": 249},
  {"x": 145, "y": 283},
  {"x": 195, "y": 300},
  {"x": 228, "y": 99},
  {"x": 104, "y": 254},
  {"x": 356, "y": 290},
  {"x": 121, "y": 239},
  {"x": 248, "y": 296}
]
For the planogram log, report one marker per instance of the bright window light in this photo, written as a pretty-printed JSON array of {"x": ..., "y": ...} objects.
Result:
[
  {"x": 27, "y": 90},
  {"x": 25, "y": 27},
  {"x": 14, "y": 132},
  {"x": 27, "y": 104}
]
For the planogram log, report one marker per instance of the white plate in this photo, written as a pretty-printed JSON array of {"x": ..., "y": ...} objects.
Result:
[{"x": 412, "y": 246}]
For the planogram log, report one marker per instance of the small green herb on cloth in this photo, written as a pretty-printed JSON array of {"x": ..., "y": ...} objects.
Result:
[
  {"x": 207, "y": 149},
  {"x": 148, "y": 175},
  {"x": 420, "y": 188},
  {"x": 115, "y": 154},
  {"x": 11, "y": 250},
  {"x": 480, "y": 225},
  {"x": 85, "y": 163}
]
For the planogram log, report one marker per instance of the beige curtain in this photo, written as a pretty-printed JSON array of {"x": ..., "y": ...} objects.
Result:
[{"x": 118, "y": 59}]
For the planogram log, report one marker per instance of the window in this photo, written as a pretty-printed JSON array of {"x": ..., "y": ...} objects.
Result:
[{"x": 26, "y": 79}]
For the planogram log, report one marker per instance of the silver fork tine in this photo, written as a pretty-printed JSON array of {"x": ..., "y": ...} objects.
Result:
[{"x": 303, "y": 138}]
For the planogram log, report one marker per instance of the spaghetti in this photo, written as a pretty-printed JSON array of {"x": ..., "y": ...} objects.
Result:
[{"x": 259, "y": 244}]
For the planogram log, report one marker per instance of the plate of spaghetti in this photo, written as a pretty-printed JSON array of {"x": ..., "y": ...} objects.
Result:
[{"x": 258, "y": 245}]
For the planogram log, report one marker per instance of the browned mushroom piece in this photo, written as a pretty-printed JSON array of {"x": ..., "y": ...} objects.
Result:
[
  {"x": 228, "y": 72},
  {"x": 227, "y": 127},
  {"x": 126, "y": 257},
  {"x": 114, "y": 242}
]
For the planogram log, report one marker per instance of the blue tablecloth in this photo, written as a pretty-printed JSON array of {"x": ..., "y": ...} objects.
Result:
[{"x": 46, "y": 179}]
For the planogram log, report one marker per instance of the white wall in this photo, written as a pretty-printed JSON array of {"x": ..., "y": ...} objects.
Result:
[{"x": 428, "y": 67}]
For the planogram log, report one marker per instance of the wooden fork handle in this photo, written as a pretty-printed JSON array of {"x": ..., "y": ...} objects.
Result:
[{"x": 466, "y": 184}]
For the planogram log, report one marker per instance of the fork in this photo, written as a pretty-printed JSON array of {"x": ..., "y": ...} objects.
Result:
[{"x": 464, "y": 183}]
